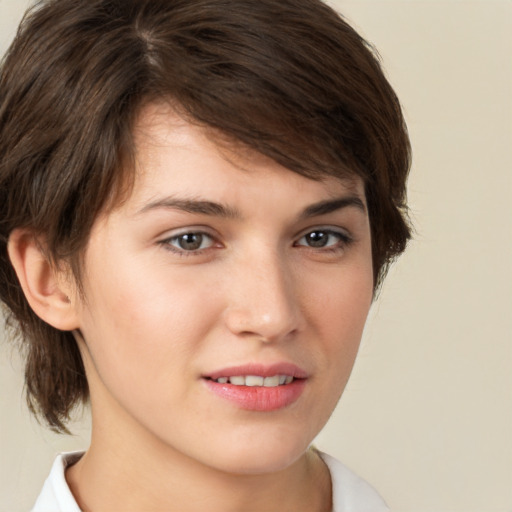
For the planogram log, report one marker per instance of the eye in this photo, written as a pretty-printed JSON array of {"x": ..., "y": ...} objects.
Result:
[
  {"x": 189, "y": 242},
  {"x": 324, "y": 239}
]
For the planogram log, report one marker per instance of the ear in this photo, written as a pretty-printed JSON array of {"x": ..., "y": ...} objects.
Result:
[{"x": 50, "y": 291}]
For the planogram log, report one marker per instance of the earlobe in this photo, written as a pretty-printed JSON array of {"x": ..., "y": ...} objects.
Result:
[{"x": 48, "y": 290}]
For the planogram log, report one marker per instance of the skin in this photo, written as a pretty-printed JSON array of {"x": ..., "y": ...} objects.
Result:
[{"x": 158, "y": 317}]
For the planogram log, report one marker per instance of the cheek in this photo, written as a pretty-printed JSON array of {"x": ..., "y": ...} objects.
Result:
[
  {"x": 338, "y": 312},
  {"x": 340, "y": 300},
  {"x": 142, "y": 323}
]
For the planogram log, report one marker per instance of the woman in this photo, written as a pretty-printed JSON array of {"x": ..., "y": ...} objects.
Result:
[{"x": 199, "y": 200}]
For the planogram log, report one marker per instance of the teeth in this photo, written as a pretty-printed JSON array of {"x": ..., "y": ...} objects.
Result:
[
  {"x": 271, "y": 382},
  {"x": 252, "y": 380},
  {"x": 256, "y": 380}
]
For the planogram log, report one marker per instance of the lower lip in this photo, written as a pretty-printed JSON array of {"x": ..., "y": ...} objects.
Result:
[{"x": 259, "y": 398}]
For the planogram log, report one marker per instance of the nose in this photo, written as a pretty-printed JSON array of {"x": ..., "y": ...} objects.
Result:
[{"x": 263, "y": 300}]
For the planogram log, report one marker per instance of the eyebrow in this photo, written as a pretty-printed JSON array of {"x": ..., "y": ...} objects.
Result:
[
  {"x": 332, "y": 205},
  {"x": 193, "y": 206},
  {"x": 214, "y": 209}
]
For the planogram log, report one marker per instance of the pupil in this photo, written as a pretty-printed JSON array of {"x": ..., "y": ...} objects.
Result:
[
  {"x": 191, "y": 241},
  {"x": 317, "y": 239}
]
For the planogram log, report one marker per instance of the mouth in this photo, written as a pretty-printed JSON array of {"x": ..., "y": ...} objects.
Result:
[
  {"x": 256, "y": 380},
  {"x": 257, "y": 387}
]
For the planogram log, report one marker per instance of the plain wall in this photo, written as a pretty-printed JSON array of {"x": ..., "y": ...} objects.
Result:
[{"x": 427, "y": 415}]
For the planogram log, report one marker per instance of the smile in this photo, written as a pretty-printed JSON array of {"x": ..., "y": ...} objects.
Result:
[
  {"x": 258, "y": 388},
  {"x": 256, "y": 380}
]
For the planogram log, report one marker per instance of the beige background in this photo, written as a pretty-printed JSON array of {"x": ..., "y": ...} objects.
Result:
[{"x": 427, "y": 416}]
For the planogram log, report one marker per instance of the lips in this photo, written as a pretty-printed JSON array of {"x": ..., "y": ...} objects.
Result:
[{"x": 258, "y": 387}]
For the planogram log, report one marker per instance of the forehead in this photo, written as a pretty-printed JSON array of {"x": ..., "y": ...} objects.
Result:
[{"x": 165, "y": 142}]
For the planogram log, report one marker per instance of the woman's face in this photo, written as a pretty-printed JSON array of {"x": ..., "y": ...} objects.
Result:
[{"x": 222, "y": 276}]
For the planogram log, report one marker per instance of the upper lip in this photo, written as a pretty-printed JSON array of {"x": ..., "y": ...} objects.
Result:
[{"x": 263, "y": 370}]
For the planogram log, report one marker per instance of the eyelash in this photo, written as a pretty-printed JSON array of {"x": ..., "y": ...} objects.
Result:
[
  {"x": 343, "y": 241},
  {"x": 180, "y": 251}
]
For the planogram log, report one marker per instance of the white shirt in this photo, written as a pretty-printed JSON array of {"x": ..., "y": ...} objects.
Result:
[{"x": 349, "y": 492}]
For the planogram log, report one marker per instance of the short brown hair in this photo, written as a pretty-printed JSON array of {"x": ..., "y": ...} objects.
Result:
[{"x": 288, "y": 78}]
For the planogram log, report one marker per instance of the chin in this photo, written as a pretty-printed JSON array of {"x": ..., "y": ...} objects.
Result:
[{"x": 258, "y": 455}]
